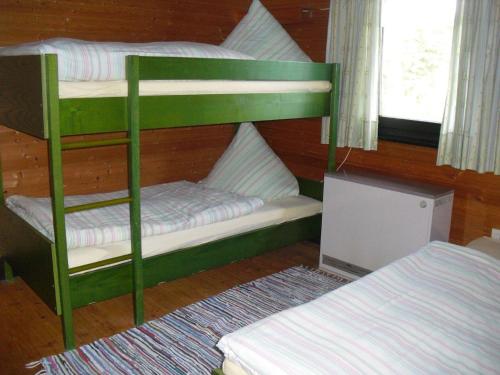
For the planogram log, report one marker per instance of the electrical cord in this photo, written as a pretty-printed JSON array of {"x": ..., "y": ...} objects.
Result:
[{"x": 343, "y": 161}]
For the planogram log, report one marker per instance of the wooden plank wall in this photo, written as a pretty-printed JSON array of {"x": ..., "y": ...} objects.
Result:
[{"x": 190, "y": 153}]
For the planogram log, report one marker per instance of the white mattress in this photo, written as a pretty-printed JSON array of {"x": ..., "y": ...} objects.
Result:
[
  {"x": 97, "y": 89},
  {"x": 272, "y": 213}
]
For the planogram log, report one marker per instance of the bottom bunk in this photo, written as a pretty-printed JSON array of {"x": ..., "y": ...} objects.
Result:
[
  {"x": 167, "y": 256},
  {"x": 176, "y": 215}
]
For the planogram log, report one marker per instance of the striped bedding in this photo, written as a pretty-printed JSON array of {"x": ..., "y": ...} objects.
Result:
[
  {"x": 434, "y": 312},
  {"x": 165, "y": 208},
  {"x": 80, "y": 60}
]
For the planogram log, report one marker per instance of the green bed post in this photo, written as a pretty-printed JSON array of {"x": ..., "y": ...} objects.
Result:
[
  {"x": 135, "y": 186},
  {"x": 51, "y": 104},
  {"x": 334, "y": 116}
]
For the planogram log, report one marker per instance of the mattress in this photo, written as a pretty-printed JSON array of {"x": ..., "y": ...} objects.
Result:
[
  {"x": 433, "y": 312},
  {"x": 271, "y": 213},
  {"x": 95, "y": 89}
]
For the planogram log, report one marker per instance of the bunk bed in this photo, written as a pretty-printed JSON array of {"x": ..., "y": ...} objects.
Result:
[{"x": 30, "y": 102}]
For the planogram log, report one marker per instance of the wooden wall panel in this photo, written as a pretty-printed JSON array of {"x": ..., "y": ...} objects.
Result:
[
  {"x": 190, "y": 153},
  {"x": 306, "y": 21},
  {"x": 167, "y": 155},
  {"x": 118, "y": 20}
]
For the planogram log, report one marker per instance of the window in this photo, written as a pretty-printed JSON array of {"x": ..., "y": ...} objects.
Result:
[{"x": 416, "y": 49}]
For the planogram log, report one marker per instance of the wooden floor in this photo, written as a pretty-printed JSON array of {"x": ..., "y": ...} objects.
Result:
[{"x": 30, "y": 331}]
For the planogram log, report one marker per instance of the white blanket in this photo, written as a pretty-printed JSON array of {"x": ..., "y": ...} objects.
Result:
[
  {"x": 165, "y": 208},
  {"x": 434, "y": 312}
]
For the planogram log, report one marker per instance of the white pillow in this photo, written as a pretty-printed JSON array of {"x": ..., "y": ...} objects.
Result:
[
  {"x": 259, "y": 35},
  {"x": 249, "y": 167}
]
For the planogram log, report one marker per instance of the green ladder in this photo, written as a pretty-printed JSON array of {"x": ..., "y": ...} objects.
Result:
[{"x": 51, "y": 94}]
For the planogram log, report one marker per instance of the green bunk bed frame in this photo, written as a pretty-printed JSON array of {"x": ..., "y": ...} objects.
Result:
[{"x": 30, "y": 103}]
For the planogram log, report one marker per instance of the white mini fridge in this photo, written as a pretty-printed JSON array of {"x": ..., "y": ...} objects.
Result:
[{"x": 370, "y": 220}]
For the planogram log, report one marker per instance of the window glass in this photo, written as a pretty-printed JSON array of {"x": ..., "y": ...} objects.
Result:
[{"x": 416, "y": 51}]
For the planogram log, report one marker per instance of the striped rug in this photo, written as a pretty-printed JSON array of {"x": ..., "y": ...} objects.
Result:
[{"x": 183, "y": 342}]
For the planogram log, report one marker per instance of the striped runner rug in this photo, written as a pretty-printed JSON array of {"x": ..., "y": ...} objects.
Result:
[{"x": 183, "y": 342}]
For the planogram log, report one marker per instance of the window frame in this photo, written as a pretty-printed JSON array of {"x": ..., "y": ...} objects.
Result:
[{"x": 419, "y": 133}]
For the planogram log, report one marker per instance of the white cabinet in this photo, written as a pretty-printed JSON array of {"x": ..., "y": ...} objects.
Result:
[{"x": 370, "y": 220}]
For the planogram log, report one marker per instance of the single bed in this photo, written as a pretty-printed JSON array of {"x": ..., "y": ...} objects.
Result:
[
  {"x": 174, "y": 216},
  {"x": 434, "y": 312},
  {"x": 272, "y": 213},
  {"x": 157, "y": 92}
]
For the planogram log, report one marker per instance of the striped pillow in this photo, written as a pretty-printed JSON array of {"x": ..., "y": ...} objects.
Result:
[
  {"x": 249, "y": 167},
  {"x": 261, "y": 36}
]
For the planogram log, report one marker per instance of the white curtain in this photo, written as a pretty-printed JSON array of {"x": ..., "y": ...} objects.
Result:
[
  {"x": 470, "y": 134},
  {"x": 354, "y": 42}
]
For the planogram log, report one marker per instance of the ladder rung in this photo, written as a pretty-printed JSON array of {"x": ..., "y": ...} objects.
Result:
[
  {"x": 100, "y": 204},
  {"x": 105, "y": 262},
  {"x": 101, "y": 143}
]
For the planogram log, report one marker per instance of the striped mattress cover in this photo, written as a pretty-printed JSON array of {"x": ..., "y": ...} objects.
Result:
[
  {"x": 436, "y": 311},
  {"x": 81, "y": 60},
  {"x": 165, "y": 208}
]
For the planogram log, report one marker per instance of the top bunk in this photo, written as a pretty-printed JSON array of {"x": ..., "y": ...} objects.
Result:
[{"x": 172, "y": 91}]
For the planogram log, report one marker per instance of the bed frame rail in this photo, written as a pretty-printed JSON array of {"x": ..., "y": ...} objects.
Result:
[
  {"x": 160, "y": 68},
  {"x": 102, "y": 115}
]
